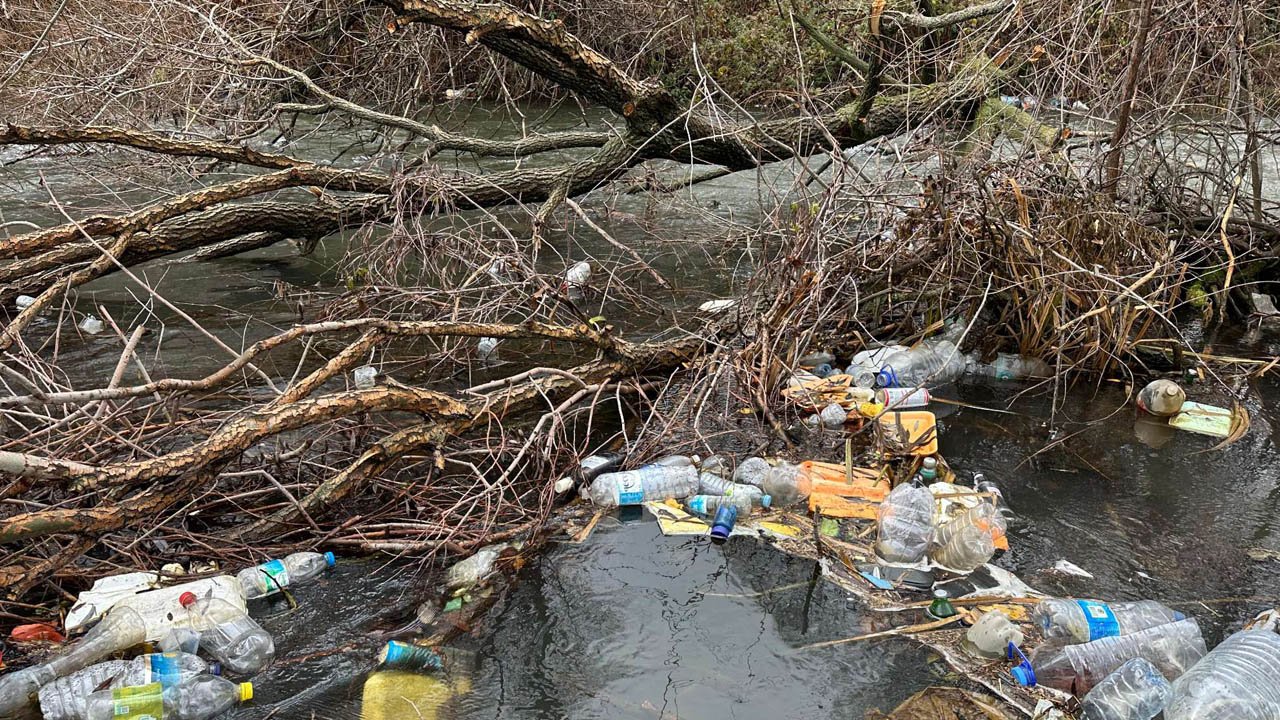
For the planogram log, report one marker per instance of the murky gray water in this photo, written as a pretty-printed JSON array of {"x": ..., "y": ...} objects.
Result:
[{"x": 633, "y": 624}]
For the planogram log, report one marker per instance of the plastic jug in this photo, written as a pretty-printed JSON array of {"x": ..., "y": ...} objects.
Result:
[{"x": 162, "y": 612}]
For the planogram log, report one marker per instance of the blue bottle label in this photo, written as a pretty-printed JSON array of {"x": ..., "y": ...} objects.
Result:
[
  {"x": 165, "y": 669},
  {"x": 1102, "y": 622},
  {"x": 277, "y": 575},
  {"x": 630, "y": 489}
]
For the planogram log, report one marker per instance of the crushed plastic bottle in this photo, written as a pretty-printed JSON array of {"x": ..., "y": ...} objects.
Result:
[
  {"x": 1238, "y": 680},
  {"x": 486, "y": 348},
  {"x": 904, "y": 523},
  {"x": 1135, "y": 691},
  {"x": 24, "y": 301},
  {"x": 197, "y": 698},
  {"x": 120, "y": 629},
  {"x": 91, "y": 325},
  {"x": 833, "y": 416},
  {"x": 1080, "y": 621},
  {"x": 1173, "y": 648},
  {"x": 752, "y": 471},
  {"x": 180, "y": 640},
  {"x": 66, "y": 698},
  {"x": 479, "y": 566},
  {"x": 645, "y": 484},
  {"x": 229, "y": 635},
  {"x": 786, "y": 484},
  {"x": 709, "y": 484},
  {"x": 929, "y": 364},
  {"x": 970, "y": 539},
  {"x": 709, "y": 504},
  {"x": 991, "y": 635},
  {"x": 1008, "y": 366},
  {"x": 865, "y": 364},
  {"x": 1162, "y": 398},
  {"x": 273, "y": 576},
  {"x": 589, "y": 469}
]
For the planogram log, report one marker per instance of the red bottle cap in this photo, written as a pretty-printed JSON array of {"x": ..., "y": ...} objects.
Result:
[{"x": 186, "y": 599}]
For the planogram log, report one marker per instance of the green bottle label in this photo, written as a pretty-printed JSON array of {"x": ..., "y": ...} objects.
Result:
[{"x": 141, "y": 702}]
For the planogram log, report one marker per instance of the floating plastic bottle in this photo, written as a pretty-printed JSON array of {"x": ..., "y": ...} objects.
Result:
[
  {"x": 479, "y": 566},
  {"x": 120, "y": 629},
  {"x": 709, "y": 504},
  {"x": 197, "y": 698},
  {"x": 646, "y": 484},
  {"x": 1135, "y": 691},
  {"x": 904, "y": 523},
  {"x": 180, "y": 640},
  {"x": 991, "y": 635},
  {"x": 1162, "y": 398},
  {"x": 752, "y": 471},
  {"x": 929, "y": 364},
  {"x": 864, "y": 366},
  {"x": 229, "y": 635},
  {"x": 1080, "y": 621},
  {"x": 271, "y": 577},
  {"x": 1008, "y": 366},
  {"x": 709, "y": 484},
  {"x": 726, "y": 518},
  {"x": 486, "y": 347},
  {"x": 1173, "y": 648},
  {"x": 589, "y": 469},
  {"x": 397, "y": 655},
  {"x": 970, "y": 539},
  {"x": 786, "y": 484},
  {"x": 1238, "y": 680},
  {"x": 66, "y": 698}
]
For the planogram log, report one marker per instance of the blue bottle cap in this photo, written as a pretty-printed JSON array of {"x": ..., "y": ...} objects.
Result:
[
  {"x": 766, "y": 501},
  {"x": 215, "y": 668},
  {"x": 726, "y": 516},
  {"x": 886, "y": 378},
  {"x": 1022, "y": 673},
  {"x": 330, "y": 559},
  {"x": 720, "y": 532}
]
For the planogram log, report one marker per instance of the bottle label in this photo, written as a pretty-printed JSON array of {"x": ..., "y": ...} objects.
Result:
[
  {"x": 277, "y": 575},
  {"x": 165, "y": 669},
  {"x": 143, "y": 702},
  {"x": 1102, "y": 622},
  {"x": 630, "y": 489}
]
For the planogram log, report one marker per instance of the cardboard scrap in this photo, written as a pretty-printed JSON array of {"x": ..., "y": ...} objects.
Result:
[{"x": 1203, "y": 419}]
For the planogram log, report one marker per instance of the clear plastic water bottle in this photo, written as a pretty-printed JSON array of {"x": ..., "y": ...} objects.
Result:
[
  {"x": 929, "y": 364},
  {"x": 1135, "y": 691},
  {"x": 969, "y": 539},
  {"x": 904, "y": 523},
  {"x": 120, "y": 629},
  {"x": 709, "y": 484},
  {"x": 180, "y": 639},
  {"x": 752, "y": 471},
  {"x": 1080, "y": 621},
  {"x": 833, "y": 416},
  {"x": 229, "y": 635},
  {"x": 787, "y": 484},
  {"x": 197, "y": 698},
  {"x": 646, "y": 484},
  {"x": 716, "y": 465},
  {"x": 709, "y": 504},
  {"x": 1238, "y": 680},
  {"x": 576, "y": 280},
  {"x": 1008, "y": 366},
  {"x": 273, "y": 576},
  {"x": 589, "y": 469},
  {"x": 864, "y": 366},
  {"x": 1173, "y": 648},
  {"x": 479, "y": 566},
  {"x": 66, "y": 698}
]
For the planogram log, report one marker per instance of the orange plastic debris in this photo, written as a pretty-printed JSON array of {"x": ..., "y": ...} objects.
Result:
[
  {"x": 833, "y": 494},
  {"x": 36, "y": 632}
]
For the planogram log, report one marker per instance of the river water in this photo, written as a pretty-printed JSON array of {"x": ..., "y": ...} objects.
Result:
[{"x": 636, "y": 625}]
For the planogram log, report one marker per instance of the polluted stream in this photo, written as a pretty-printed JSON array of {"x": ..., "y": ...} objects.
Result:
[{"x": 630, "y": 623}]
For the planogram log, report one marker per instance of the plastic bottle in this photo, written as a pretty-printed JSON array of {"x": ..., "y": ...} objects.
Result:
[
  {"x": 1238, "y": 680},
  {"x": 904, "y": 523},
  {"x": 786, "y": 484},
  {"x": 197, "y": 698},
  {"x": 1173, "y": 648},
  {"x": 1080, "y": 621},
  {"x": 752, "y": 471},
  {"x": 833, "y": 416},
  {"x": 865, "y": 364},
  {"x": 716, "y": 465},
  {"x": 709, "y": 484},
  {"x": 271, "y": 577},
  {"x": 970, "y": 539},
  {"x": 66, "y": 698},
  {"x": 814, "y": 359},
  {"x": 1135, "y": 691},
  {"x": 1162, "y": 398},
  {"x": 709, "y": 504},
  {"x": 400, "y": 695},
  {"x": 1008, "y": 366},
  {"x": 180, "y": 640},
  {"x": 486, "y": 347},
  {"x": 941, "y": 606},
  {"x": 576, "y": 279},
  {"x": 365, "y": 377},
  {"x": 120, "y": 629},
  {"x": 589, "y": 469},
  {"x": 397, "y": 655},
  {"x": 477, "y": 567},
  {"x": 929, "y": 469},
  {"x": 929, "y": 364},
  {"x": 726, "y": 518},
  {"x": 229, "y": 635},
  {"x": 991, "y": 635},
  {"x": 646, "y": 484}
]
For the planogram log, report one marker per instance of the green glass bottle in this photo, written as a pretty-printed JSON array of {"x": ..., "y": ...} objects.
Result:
[{"x": 941, "y": 606}]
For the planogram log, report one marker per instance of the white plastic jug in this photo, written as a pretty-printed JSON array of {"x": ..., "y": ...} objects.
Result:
[{"x": 93, "y": 603}]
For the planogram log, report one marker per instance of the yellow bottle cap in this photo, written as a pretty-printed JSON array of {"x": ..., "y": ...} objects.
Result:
[{"x": 246, "y": 692}]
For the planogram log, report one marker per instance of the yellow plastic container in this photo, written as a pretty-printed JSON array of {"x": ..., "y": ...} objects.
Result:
[
  {"x": 398, "y": 695},
  {"x": 909, "y": 433}
]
